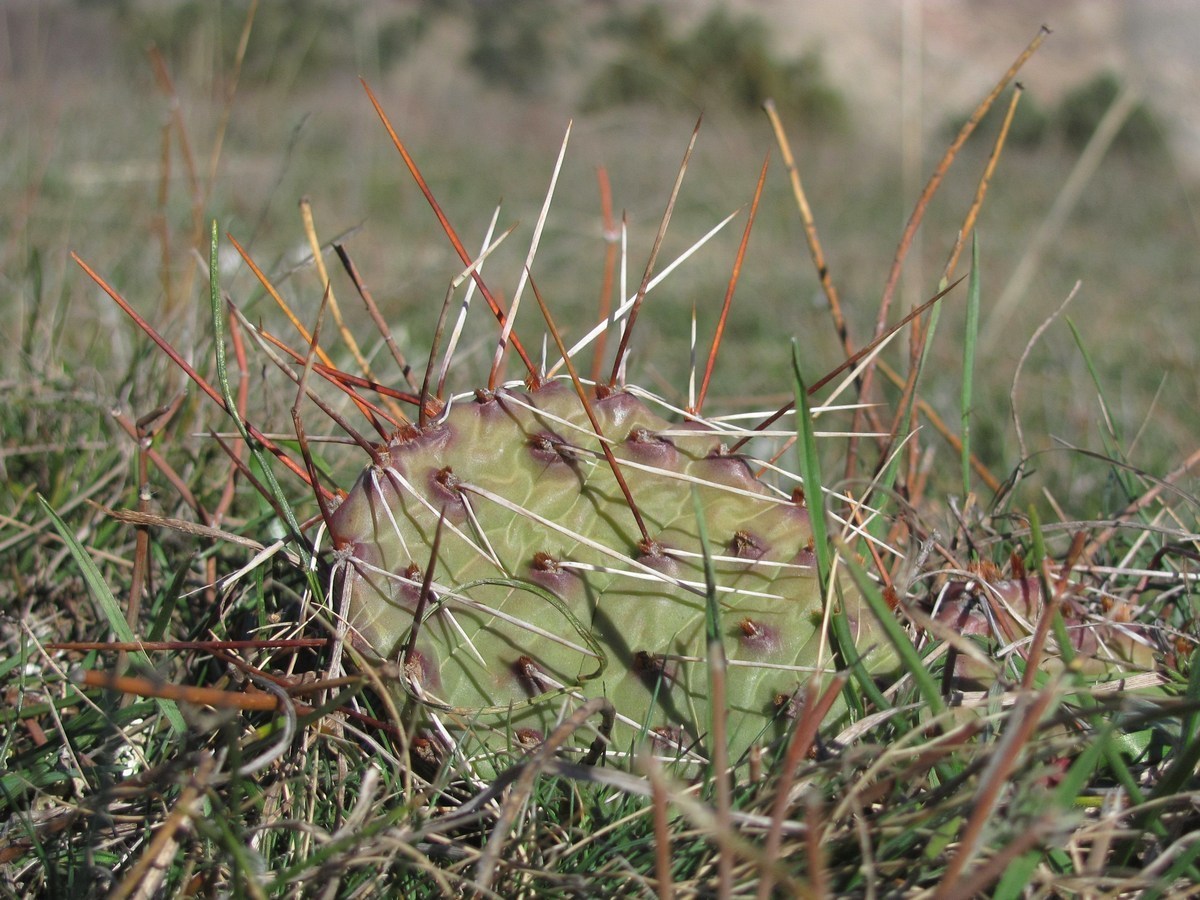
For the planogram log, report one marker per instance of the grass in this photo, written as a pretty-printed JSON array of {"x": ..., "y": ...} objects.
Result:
[{"x": 1045, "y": 773}]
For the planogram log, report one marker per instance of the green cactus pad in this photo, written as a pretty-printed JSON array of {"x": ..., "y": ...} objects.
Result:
[{"x": 545, "y": 592}]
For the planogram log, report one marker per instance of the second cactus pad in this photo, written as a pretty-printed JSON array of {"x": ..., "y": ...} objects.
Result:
[{"x": 545, "y": 589}]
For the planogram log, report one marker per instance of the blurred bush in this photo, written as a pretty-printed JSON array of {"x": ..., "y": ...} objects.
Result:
[
  {"x": 722, "y": 61},
  {"x": 516, "y": 44},
  {"x": 1082, "y": 109},
  {"x": 290, "y": 41}
]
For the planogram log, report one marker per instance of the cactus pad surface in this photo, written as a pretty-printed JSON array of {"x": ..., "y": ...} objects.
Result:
[{"x": 545, "y": 590}]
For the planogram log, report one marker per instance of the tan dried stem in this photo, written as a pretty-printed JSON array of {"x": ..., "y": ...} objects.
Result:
[
  {"x": 810, "y": 229},
  {"x": 918, "y": 215}
]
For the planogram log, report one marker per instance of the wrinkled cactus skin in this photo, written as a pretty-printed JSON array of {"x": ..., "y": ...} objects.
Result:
[{"x": 541, "y": 560}]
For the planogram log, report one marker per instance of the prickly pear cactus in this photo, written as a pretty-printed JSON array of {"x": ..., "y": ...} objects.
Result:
[{"x": 545, "y": 589}]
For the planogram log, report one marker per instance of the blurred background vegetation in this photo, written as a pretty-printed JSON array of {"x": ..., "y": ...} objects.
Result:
[{"x": 94, "y": 160}]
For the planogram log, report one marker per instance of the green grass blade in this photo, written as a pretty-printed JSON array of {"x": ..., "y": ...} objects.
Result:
[
  {"x": 1183, "y": 866},
  {"x": 1082, "y": 769},
  {"x": 1095, "y": 375},
  {"x": 712, "y": 625},
  {"x": 814, "y": 496},
  {"x": 712, "y": 606},
  {"x": 217, "y": 309},
  {"x": 171, "y": 596},
  {"x": 910, "y": 659},
  {"x": 1187, "y": 725},
  {"x": 970, "y": 338},
  {"x": 887, "y": 478},
  {"x": 717, "y": 709},
  {"x": 107, "y": 603},
  {"x": 1016, "y": 877},
  {"x": 109, "y": 607},
  {"x": 810, "y": 472},
  {"x": 1039, "y": 545}
]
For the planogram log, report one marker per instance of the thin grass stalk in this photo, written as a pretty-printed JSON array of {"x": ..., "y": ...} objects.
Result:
[
  {"x": 970, "y": 339},
  {"x": 1142, "y": 502},
  {"x": 939, "y": 425},
  {"x": 1013, "y": 882},
  {"x": 473, "y": 269},
  {"x": 328, "y": 296},
  {"x": 109, "y": 608},
  {"x": 1112, "y": 428},
  {"x": 225, "y": 503},
  {"x": 622, "y": 311},
  {"x": 968, "y": 226},
  {"x": 163, "y": 466},
  {"x": 174, "y": 646},
  {"x": 1052, "y": 596},
  {"x": 939, "y": 173},
  {"x": 140, "y": 580},
  {"x": 665, "y": 887},
  {"x": 375, "y": 414},
  {"x": 279, "y": 301},
  {"x": 919, "y": 348},
  {"x": 814, "y": 847},
  {"x": 1001, "y": 864},
  {"x": 161, "y": 224},
  {"x": 227, "y": 400},
  {"x": 340, "y": 379},
  {"x": 175, "y": 693},
  {"x": 901, "y": 423},
  {"x": 231, "y": 79},
  {"x": 810, "y": 229},
  {"x": 200, "y": 382},
  {"x": 848, "y": 364},
  {"x": 717, "y": 704},
  {"x": 814, "y": 499},
  {"x": 196, "y": 195},
  {"x": 523, "y": 787},
  {"x": 918, "y": 215},
  {"x": 1184, "y": 866},
  {"x": 148, "y": 872}
]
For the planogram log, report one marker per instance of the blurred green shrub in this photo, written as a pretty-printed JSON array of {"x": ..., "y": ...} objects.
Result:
[
  {"x": 1082, "y": 109},
  {"x": 516, "y": 44},
  {"x": 293, "y": 40},
  {"x": 722, "y": 61}
]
